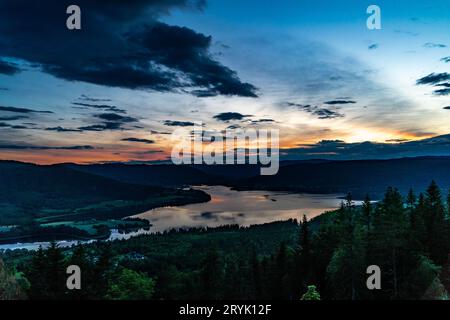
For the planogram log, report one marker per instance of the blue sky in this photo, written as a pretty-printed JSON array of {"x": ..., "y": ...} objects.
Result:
[{"x": 310, "y": 66}]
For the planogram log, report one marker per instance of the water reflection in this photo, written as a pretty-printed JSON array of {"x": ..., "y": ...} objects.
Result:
[
  {"x": 240, "y": 207},
  {"x": 115, "y": 235}
]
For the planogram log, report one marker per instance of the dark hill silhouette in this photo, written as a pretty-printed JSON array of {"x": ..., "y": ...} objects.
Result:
[
  {"x": 167, "y": 175},
  {"x": 31, "y": 191},
  {"x": 359, "y": 177},
  {"x": 312, "y": 176}
]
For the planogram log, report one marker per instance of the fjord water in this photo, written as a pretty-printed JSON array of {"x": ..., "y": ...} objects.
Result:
[
  {"x": 226, "y": 207},
  {"x": 240, "y": 207}
]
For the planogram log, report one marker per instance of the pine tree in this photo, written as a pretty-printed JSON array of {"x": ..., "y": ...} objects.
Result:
[
  {"x": 411, "y": 199},
  {"x": 390, "y": 245},
  {"x": 212, "y": 275},
  {"x": 349, "y": 204},
  {"x": 305, "y": 241},
  {"x": 341, "y": 214},
  {"x": 37, "y": 276},
  {"x": 448, "y": 204},
  {"x": 435, "y": 225},
  {"x": 417, "y": 233},
  {"x": 281, "y": 280},
  {"x": 55, "y": 272},
  {"x": 367, "y": 212},
  {"x": 102, "y": 272},
  {"x": 80, "y": 259},
  {"x": 256, "y": 275},
  {"x": 304, "y": 268}
]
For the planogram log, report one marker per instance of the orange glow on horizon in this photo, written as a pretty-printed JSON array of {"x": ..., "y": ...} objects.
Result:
[{"x": 124, "y": 153}]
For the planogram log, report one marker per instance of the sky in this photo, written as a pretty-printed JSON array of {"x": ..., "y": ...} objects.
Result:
[{"x": 137, "y": 70}]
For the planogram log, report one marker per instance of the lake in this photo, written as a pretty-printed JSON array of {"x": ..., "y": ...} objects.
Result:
[
  {"x": 240, "y": 207},
  {"x": 226, "y": 207}
]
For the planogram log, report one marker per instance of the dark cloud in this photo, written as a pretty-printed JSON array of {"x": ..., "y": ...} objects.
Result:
[
  {"x": 12, "y": 126},
  {"x": 111, "y": 121},
  {"x": 185, "y": 50},
  {"x": 446, "y": 59},
  {"x": 104, "y": 107},
  {"x": 87, "y": 98},
  {"x": 32, "y": 147},
  {"x": 62, "y": 129},
  {"x": 115, "y": 117},
  {"x": 172, "y": 123},
  {"x": 21, "y": 110},
  {"x": 334, "y": 102},
  {"x": 434, "y": 78},
  {"x": 406, "y": 32},
  {"x": 160, "y": 132},
  {"x": 340, "y": 150},
  {"x": 121, "y": 44},
  {"x": 397, "y": 140},
  {"x": 434, "y": 45},
  {"x": 103, "y": 127},
  {"x": 321, "y": 113},
  {"x": 444, "y": 89},
  {"x": 437, "y": 80},
  {"x": 373, "y": 46},
  {"x": 204, "y": 93},
  {"x": 98, "y": 127},
  {"x": 227, "y": 116},
  {"x": 442, "y": 92},
  {"x": 8, "y": 68},
  {"x": 147, "y": 152},
  {"x": 234, "y": 127},
  {"x": 12, "y": 118},
  {"x": 139, "y": 140},
  {"x": 263, "y": 121}
]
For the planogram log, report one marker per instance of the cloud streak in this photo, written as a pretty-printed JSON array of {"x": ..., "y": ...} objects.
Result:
[
  {"x": 432, "y": 45},
  {"x": 320, "y": 113},
  {"x": 8, "y": 68},
  {"x": 104, "y": 107},
  {"x": 32, "y": 147},
  {"x": 21, "y": 110},
  {"x": 434, "y": 78},
  {"x": 228, "y": 116},
  {"x": 438, "y": 80},
  {"x": 147, "y": 141},
  {"x": 172, "y": 123},
  {"x": 337, "y": 102},
  {"x": 62, "y": 129}
]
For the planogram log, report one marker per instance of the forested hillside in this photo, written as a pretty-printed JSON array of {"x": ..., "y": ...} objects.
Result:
[
  {"x": 33, "y": 198},
  {"x": 407, "y": 236}
]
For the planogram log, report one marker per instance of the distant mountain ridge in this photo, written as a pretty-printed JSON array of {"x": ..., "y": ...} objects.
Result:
[
  {"x": 167, "y": 175},
  {"x": 309, "y": 176},
  {"x": 360, "y": 177}
]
